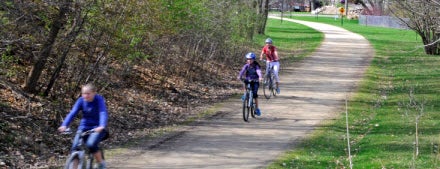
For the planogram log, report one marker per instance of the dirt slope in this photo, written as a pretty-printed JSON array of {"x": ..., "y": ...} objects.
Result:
[{"x": 312, "y": 91}]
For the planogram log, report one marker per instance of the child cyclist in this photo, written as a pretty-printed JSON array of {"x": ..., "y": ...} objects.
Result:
[
  {"x": 94, "y": 116},
  {"x": 251, "y": 73},
  {"x": 272, "y": 60}
]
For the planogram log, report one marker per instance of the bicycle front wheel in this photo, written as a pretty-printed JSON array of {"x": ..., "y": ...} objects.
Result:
[
  {"x": 246, "y": 108},
  {"x": 253, "y": 108},
  {"x": 75, "y": 161},
  {"x": 90, "y": 162},
  {"x": 274, "y": 85}
]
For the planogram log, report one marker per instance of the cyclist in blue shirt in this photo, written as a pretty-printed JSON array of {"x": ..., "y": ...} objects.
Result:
[
  {"x": 94, "y": 116},
  {"x": 252, "y": 73}
]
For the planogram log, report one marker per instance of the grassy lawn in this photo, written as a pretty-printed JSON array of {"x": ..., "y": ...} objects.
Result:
[
  {"x": 294, "y": 41},
  {"x": 382, "y": 116}
]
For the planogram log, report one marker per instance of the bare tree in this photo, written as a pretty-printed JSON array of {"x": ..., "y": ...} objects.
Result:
[
  {"x": 423, "y": 19},
  {"x": 39, "y": 65},
  {"x": 77, "y": 25},
  {"x": 264, "y": 12},
  {"x": 373, "y": 7}
]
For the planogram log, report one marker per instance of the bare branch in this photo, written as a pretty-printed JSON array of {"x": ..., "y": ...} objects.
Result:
[{"x": 8, "y": 42}]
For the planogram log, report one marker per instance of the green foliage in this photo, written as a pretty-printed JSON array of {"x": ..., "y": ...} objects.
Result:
[
  {"x": 137, "y": 55},
  {"x": 6, "y": 61},
  {"x": 3, "y": 19},
  {"x": 382, "y": 130}
]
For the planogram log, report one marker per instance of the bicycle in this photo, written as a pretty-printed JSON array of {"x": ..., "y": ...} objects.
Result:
[
  {"x": 249, "y": 106},
  {"x": 81, "y": 156},
  {"x": 269, "y": 82}
]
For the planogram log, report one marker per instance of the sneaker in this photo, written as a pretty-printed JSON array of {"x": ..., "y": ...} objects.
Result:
[
  {"x": 258, "y": 112},
  {"x": 102, "y": 165},
  {"x": 278, "y": 90}
]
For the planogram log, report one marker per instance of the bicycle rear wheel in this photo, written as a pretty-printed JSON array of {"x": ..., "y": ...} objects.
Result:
[
  {"x": 246, "y": 108},
  {"x": 266, "y": 87},
  {"x": 75, "y": 159}
]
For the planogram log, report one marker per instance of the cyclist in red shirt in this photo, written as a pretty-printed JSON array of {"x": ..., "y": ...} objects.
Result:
[{"x": 272, "y": 60}]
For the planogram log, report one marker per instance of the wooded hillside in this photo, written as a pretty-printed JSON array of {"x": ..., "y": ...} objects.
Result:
[{"x": 153, "y": 61}]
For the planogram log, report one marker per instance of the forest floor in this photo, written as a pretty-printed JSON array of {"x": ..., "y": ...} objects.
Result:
[{"x": 313, "y": 91}]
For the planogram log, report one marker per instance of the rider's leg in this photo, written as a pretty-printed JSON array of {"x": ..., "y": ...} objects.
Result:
[
  {"x": 99, "y": 160},
  {"x": 276, "y": 68},
  {"x": 267, "y": 67},
  {"x": 74, "y": 145},
  {"x": 92, "y": 144},
  {"x": 255, "y": 93},
  {"x": 256, "y": 103},
  {"x": 98, "y": 156},
  {"x": 255, "y": 87},
  {"x": 76, "y": 140}
]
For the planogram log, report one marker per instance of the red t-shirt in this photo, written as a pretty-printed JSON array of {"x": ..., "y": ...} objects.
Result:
[{"x": 270, "y": 53}]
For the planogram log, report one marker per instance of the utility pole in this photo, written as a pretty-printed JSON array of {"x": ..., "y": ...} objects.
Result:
[
  {"x": 282, "y": 10},
  {"x": 346, "y": 8}
]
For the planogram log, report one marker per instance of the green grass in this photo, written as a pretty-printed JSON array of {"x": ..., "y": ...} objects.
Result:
[
  {"x": 382, "y": 125},
  {"x": 294, "y": 41}
]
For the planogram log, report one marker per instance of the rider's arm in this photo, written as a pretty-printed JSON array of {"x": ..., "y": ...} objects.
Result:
[
  {"x": 103, "y": 115},
  {"x": 75, "y": 109},
  {"x": 276, "y": 55},
  {"x": 240, "y": 75},
  {"x": 262, "y": 53},
  {"x": 259, "y": 73}
]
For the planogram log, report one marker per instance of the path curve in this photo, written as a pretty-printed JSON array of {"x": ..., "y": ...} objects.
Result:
[{"x": 312, "y": 91}]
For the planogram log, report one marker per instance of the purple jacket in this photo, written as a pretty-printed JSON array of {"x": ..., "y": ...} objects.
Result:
[{"x": 250, "y": 72}]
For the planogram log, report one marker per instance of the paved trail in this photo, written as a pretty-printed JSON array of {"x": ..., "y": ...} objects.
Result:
[{"x": 312, "y": 91}]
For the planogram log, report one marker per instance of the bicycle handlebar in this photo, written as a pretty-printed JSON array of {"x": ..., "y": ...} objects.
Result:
[
  {"x": 68, "y": 131},
  {"x": 88, "y": 132}
]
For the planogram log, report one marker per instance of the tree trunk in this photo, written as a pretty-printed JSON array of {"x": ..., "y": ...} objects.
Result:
[
  {"x": 432, "y": 49},
  {"x": 35, "y": 73},
  {"x": 368, "y": 11},
  {"x": 265, "y": 15},
  {"x": 423, "y": 19},
  {"x": 69, "y": 39}
]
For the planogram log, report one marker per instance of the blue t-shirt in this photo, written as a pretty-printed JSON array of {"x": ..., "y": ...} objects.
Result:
[{"x": 94, "y": 114}]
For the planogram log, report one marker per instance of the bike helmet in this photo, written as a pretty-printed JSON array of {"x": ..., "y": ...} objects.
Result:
[
  {"x": 250, "y": 55},
  {"x": 268, "y": 40}
]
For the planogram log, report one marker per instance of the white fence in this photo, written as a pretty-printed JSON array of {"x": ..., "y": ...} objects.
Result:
[{"x": 382, "y": 21}]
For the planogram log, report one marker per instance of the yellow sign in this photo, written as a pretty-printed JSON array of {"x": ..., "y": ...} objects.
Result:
[{"x": 342, "y": 10}]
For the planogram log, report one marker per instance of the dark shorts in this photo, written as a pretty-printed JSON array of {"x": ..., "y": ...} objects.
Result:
[{"x": 254, "y": 88}]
